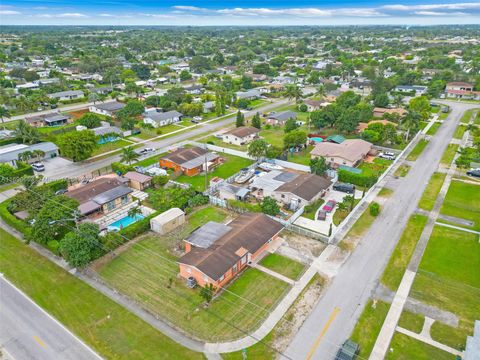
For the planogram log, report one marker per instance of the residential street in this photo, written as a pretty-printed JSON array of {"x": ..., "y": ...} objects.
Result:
[
  {"x": 335, "y": 315},
  {"x": 27, "y": 332},
  {"x": 77, "y": 169},
  {"x": 50, "y": 111}
]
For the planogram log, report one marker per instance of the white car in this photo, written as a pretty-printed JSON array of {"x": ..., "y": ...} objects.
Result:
[
  {"x": 145, "y": 151},
  {"x": 386, "y": 156},
  {"x": 156, "y": 171},
  {"x": 38, "y": 166}
]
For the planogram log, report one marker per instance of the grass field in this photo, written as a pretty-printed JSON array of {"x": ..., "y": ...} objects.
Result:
[
  {"x": 449, "y": 154},
  {"x": 463, "y": 201},
  {"x": 358, "y": 229},
  {"x": 302, "y": 157},
  {"x": 404, "y": 347},
  {"x": 467, "y": 115},
  {"x": 107, "y": 327},
  {"x": 434, "y": 128},
  {"x": 368, "y": 326},
  {"x": 110, "y": 146},
  {"x": 218, "y": 142},
  {"x": 417, "y": 150},
  {"x": 283, "y": 265},
  {"x": 430, "y": 194},
  {"x": 459, "y": 131},
  {"x": 411, "y": 321},
  {"x": 151, "y": 133},
  {"x": 393, "y": 273},
  {"x": 231, "y": 166},
  {"x": 402, "y": 170},
  {"x": 147, "y": 272},
  {"x": 449, "y": 279}
]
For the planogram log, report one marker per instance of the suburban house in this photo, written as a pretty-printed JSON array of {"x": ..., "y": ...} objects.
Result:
[
  {"x": 167, "y": 221},
  {"x": 241, "y": 135},
  {"x": 281, "y": 117},
  {"x": 67, "y": 95},
  {"x": 362, "y": 126},
  {"x": 101, "y": 196},
  {"x": 417, "y": 89},
  {"x": 289, "y": 188},
  {"x": 190, "y": 161},
  {"x": 138, "y": 181},
  {"x": 248, "y": 95},
  {"x": 216, "y": 253},
  {"x": 461, "y": 90},
  {"x": 208, "y": 106},
  {"x": 313, "y": 105},
  {"x": 227, "y": 191},
  {"x": 350, "y": 152},
  {"x": 103, "y": 90},
  {"x": 107, "y": 109},
  {"x": 9, "y": 153},
  {"x": 55, "y": 119},
  {"x": 380, "y": 112},
  {"x": 158, "y": 119}
]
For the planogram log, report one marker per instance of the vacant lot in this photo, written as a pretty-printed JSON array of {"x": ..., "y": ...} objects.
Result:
[
  {"x": 417, "y": 150},
  {"x": 147, "y": 272},
  {"x": 431, "y": 191},
  {"x": 448, "y": 278},
  {"x": 110, "y": 146},
  {"x": 449, "y": 154},
  {"x": 107, "y": 327},
  {"x": 463, "y": 201},
  {"x": 404, "y": 347},
  {"x": 231, "y": 166},
  {"x": 393, "y": 273},
  {"x": 283, "y": 265}
]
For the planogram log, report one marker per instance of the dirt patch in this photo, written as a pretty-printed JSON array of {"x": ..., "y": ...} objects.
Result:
[
  {"x": 298, "y": 313},
  {"x": 309, "y": 247},
  {"x": 78, "y": 113}
]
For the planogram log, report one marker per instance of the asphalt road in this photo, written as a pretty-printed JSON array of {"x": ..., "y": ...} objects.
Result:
[
  {"x": 78, "y": 169},
  {"x": 29, "y": 333},
  {"x": 335, "y": 315},
  {"x": 71, "y": 107}
]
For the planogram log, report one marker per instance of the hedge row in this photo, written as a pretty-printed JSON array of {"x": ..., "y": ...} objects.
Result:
[
  {"x": 138, "y": 228},
  {"x": 356, "y": 179},
  {"x": 11, "y": 220}
]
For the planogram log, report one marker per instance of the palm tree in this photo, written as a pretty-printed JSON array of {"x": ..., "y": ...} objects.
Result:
[
  {"x": 93, "y": 97},
  {"x": 321, "y": 91},
  {"x": 129, "y": 155},
  {"x": 25, "y": 156},
  {"x": 38, "y": 154},
  {"x": 27, "y": 133},
  {"x": 134, "y": 212},
  {"x": 411, "y": 121},
  {"x": 293, "y": 92},
  {"x": 4, "y": 113}
]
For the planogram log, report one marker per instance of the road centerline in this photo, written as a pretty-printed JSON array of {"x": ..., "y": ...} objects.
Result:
[{"x": 320, "y": 336}]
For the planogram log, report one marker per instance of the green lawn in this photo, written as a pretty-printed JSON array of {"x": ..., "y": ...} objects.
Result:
[
  {"x": 449, "y": 154},
  {"x": 463, "y": 201},
  {"x": 107, "y": 327},
  {"x": 434, "y": 128},
  {"x": 273, "y": 136},
  {"x": 151, "y": 133},
  {"x": 411, "y": 321},
  {"x": 302, "y": 157},
  {"x": 218, "y": 142},
  {"x": 467, "y": 116},
  {"x": 358, "y": 229},
  {"x": 402, "y": 170},
  {"x": 283, "y": 265},
  {"x": 110, "y": 146},
  {"x": 393, "y": 273},
  {"x": 449, "y": 279},
  {"x": 385, "y": 192},
  {"x": 147, "y": 272},
  {"x": 417, "y": 150},
  {"x": 368, "y": 326},
  {"x": 311, "y": 209},
  {"x": 430, "y": 194},
  {"x": 404, "y": 347},
  {"x": 231, "y": 166},
  {"x": 459, "y": 131},
  {"x": 340, "y": 215}
]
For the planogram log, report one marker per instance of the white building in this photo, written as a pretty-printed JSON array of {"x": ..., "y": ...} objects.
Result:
[{"x": 158, "y": 119}]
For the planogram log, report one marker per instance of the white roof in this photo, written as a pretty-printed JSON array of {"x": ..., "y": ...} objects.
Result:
[{"x": 168, "y": 216}]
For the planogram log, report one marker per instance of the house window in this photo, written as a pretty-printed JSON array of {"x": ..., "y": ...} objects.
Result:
[
  {"x": 244, "y": 260},
  {"x": 205, "y": 278},
  {"x": 222, "y": 278},
  {"x": 111, "y": 205},
  {"x": 234, "y": 269},
  {"x": 283, "y": 196},
  {"x": 124, "y": 199}
]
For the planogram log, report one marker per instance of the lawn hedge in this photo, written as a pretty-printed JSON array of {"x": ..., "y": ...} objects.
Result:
[
  {"x": 138, "y": 228},
  {"x": 356, "y": 179}
]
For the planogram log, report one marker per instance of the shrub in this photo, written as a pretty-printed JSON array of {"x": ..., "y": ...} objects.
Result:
[
  {"x": 303, "y": 108},
  {"x": 269, "y": 206},
  {"x": 121, "y": 168},
  {"x": 159, "y": 180},
  {"x": 137, "y": 228},
  {"x": 356, "y": 179},
  {"x": 57, "y": 185},
  {"x": 374, "y": 209}
]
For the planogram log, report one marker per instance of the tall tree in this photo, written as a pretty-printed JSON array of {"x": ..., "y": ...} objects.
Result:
[
  {"x": 240, "y": 119},
  {"x": 256, "y": 121},
  {"x": 318, "y": 166},
  {"x": 77, "y": 145},
  {"x": 128, "y": 155},
  {"x": 257, "y": 148}
]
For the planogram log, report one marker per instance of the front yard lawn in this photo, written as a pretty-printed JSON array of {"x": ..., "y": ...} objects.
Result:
[
  {"x": 302, "y": 157},
  {"x": 417, "y": 150},
  {"x": 147, "y": 272},
  {"x": 463, "y": 201},
  {"x": 404, "y": 347},
  {"x": 430, "y": 194},
  {"x": 411, "y": 321},
  {"x": 368, "y": 326},
  {"x": 107, "y": 327},
  {"x": 393, "y": 273},
  {"x": 434, "y": 128},
  {"x": 111, "y": 146},
  {"x": 449, "y": 154},
  {"x": 232, "y": 165},
  {"x": 151, "y": 133},
  {"x": 459, "y": 131},
  {"x": 218, "y": 142},
  {"x": 283, "y": 265}
]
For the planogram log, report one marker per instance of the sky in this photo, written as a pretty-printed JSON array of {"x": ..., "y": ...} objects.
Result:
[{"x": 238, "y": 12}]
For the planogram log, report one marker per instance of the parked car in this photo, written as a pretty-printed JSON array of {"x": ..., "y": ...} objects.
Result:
[
  {"x": 194, "y": 121},
  {"x": 145, "y": 151},
  {"x": 198, "y": 118},
  {"x": 348, "y": 351},
  {"x": 344, "y": 187},
  {"x": 38, "y": 166},
  {"x": 474, "y": 172},
  {"x": 329, "y": 206},
  {"x": 322, "y": 215},
  {"x": 387, "y": 156},
  {"x": 60, "y": 192}
]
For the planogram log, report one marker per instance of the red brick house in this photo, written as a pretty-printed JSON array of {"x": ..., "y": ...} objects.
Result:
[{"x": 216, "y": 252}]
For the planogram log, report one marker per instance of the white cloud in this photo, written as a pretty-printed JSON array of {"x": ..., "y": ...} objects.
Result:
[
  {"x": 64, "y": 15},
  {"x": 9, "y": 12},
  {"x": 301, "y": 12},
  {"x": 454, "y": 6},
  {"x": 439, "y": 13},
  {"x": 189, "y": 8}
]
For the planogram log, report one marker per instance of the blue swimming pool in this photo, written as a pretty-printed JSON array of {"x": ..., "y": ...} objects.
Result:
[
  {"x": 108, "y": 139},
  {"x": 124, "y": 222}
]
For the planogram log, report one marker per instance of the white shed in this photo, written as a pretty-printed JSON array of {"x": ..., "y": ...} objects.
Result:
[{"x": 167, "y": 221}]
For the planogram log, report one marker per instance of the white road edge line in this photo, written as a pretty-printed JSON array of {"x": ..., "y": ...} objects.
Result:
[{"x": 51, "y": 317}]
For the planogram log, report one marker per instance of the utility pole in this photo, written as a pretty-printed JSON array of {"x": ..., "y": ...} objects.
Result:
[{"x": 206, "y": 168}]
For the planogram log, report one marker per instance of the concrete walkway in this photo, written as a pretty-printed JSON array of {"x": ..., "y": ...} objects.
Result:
[
  {"x": 429, "y": 341},
  {"x": 457, "y": 227},
  {"x": 273, "y": 273}
]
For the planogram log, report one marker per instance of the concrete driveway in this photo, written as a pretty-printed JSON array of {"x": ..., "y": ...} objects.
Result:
[{"x": 54, "y": 167}]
